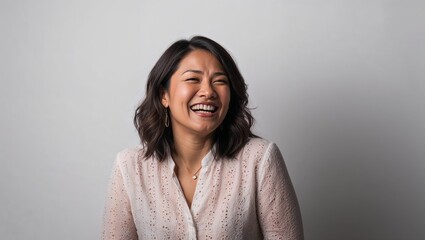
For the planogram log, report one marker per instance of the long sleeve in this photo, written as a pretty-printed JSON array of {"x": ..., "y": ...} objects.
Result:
[
  {"x": 117, "y": 218},
  {"x": 278, "y": 208},
  {"x": 249, "y": 197}
]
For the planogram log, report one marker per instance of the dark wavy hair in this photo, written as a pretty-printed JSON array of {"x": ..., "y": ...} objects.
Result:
[{"x": 235, "y": 130}]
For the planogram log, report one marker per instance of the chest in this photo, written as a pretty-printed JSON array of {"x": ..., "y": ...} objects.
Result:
[{"x": 223, "y": 203}]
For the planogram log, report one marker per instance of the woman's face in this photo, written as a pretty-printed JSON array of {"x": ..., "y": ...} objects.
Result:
[{"x": 198, "y": 95}]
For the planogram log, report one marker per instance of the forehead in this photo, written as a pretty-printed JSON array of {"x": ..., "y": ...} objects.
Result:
[{"x": 200, "y": 60}]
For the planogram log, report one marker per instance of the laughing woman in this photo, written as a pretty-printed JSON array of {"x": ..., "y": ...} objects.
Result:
[{"x": 199, "y": 172}]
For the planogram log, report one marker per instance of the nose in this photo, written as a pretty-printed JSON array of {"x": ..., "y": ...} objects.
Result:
[{"x": 207, "y": 90}]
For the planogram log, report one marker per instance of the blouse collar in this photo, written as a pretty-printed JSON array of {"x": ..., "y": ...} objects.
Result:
[{"x": 204, "y": 163}]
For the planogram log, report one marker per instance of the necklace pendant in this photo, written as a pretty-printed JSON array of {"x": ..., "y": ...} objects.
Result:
[{"x": 194, "y": 177}]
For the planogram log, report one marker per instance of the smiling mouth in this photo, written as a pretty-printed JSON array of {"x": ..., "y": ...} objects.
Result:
[{"x": 204, "y": 108}]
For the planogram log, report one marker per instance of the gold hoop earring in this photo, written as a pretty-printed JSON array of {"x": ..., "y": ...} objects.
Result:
[{"x": 167, "y": 119}]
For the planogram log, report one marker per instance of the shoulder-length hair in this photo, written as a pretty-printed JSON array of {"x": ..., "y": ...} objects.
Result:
[{"x": 235, "y": 130}]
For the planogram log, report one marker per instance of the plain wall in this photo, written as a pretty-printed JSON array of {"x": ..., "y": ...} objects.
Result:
[{"x": 337, "y": 84}]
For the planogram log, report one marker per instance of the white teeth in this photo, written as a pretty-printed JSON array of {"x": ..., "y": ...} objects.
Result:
[{"x": 204, "y": 107}]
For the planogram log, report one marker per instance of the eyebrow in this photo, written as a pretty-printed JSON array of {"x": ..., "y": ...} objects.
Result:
[{"x": 200, "y": 72}]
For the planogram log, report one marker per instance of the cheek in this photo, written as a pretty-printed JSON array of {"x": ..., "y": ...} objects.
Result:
[{"x": 182, "y": 94}]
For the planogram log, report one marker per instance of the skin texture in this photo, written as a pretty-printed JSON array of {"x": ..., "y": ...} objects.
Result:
[{"x": 199, "y": 79}]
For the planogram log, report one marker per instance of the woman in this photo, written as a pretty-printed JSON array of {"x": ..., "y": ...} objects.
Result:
[{"x": 200, "y": 173}]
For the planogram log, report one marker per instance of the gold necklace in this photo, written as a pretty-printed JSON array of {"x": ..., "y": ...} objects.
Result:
[{"x": 195, "y": 175}]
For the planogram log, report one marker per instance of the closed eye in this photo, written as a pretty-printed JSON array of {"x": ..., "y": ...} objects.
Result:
[
  {"x": 192, "y": 80},
  {"x": 221, "y": 81}
]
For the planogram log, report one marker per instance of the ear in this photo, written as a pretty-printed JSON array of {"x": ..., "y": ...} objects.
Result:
[{"x": 165, "y": 98}]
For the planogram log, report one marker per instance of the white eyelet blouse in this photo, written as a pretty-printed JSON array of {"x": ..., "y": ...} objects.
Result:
[{"x": 249, "y": 197}]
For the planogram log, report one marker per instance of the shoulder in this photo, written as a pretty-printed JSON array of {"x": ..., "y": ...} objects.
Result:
[
  {"x": 131, "y": 163},
  {"x": 259, "y": 146},
  {"x": 130, "y": 157},
  {"x": 129, "y": 153},
  {"x": 258, "y": 150},
  {"x": 259, "y": 142},
  {"x": 267, "y": 161}
]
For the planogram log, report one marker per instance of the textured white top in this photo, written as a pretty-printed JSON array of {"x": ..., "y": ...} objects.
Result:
[{"x": 249, "y": 197}]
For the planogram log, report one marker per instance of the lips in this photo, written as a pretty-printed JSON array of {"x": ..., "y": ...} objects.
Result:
[{"x": 200, "y": 107}]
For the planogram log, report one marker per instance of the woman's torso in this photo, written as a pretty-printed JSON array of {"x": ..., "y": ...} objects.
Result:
[{"x": 224, "y": 204}]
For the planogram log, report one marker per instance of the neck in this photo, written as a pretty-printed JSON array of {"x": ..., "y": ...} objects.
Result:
[{"x": 190, "y": 150}]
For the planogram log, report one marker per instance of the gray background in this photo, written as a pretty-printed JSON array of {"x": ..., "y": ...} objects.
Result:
[{"x": 337, "y": 84}]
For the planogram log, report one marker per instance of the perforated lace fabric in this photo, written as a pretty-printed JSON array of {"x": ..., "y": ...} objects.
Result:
[{"x": 249, "y": 197}]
